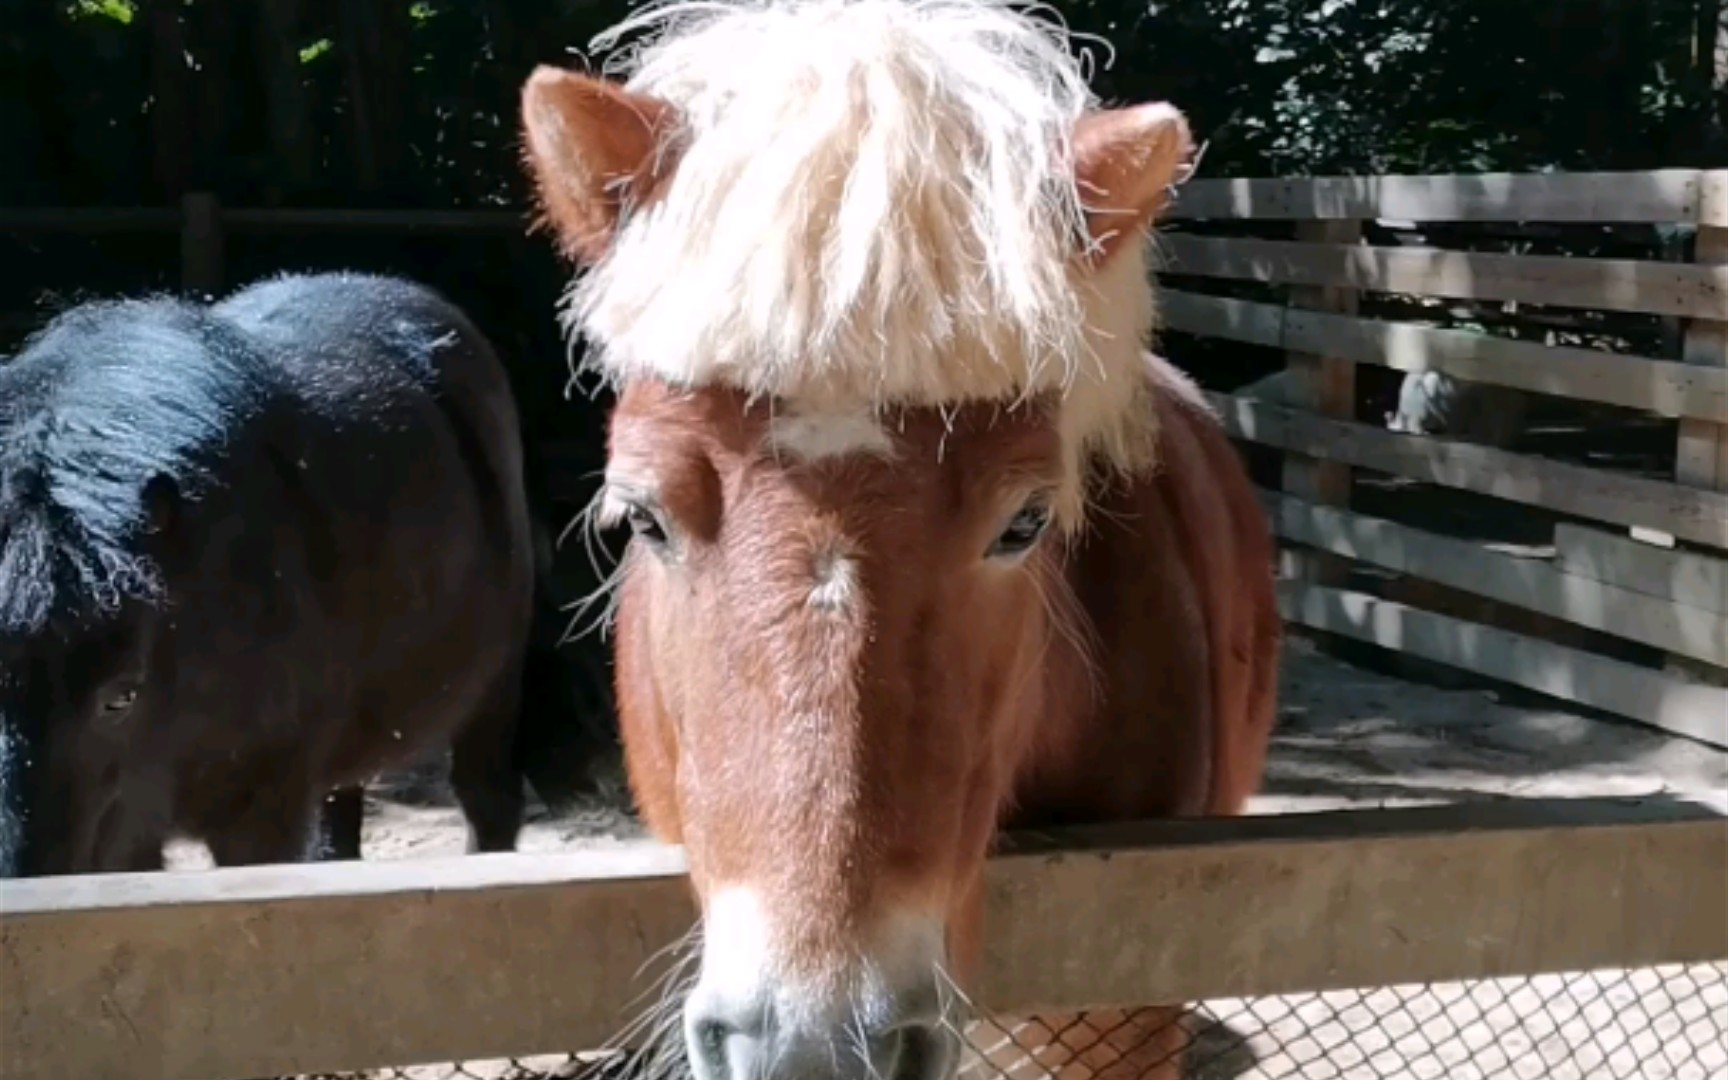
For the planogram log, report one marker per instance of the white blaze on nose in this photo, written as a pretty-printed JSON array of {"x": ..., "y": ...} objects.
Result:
[
  {"x": 891, "y": 977},
  {"x": 736, "y": 949}
]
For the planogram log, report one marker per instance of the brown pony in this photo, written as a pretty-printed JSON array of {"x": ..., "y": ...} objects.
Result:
[{"x": 925, "y": 543}]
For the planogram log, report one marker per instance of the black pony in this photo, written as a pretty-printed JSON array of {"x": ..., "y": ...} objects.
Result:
[{"x": 251, "y": 554}]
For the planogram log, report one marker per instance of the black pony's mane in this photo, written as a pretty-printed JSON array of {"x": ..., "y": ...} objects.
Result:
[{"x": 99, "y": 402}]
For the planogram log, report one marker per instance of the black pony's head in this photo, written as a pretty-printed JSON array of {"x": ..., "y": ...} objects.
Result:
[{"x": 106, "y": 417}]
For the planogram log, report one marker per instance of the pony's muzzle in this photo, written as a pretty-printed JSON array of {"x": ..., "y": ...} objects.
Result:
[
  {"x": 876, "y": 1015},
  {"x": 761, "y": 1044}
]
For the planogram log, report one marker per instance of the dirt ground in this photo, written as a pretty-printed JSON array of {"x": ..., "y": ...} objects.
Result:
[{"x": 1349, "y": 738}]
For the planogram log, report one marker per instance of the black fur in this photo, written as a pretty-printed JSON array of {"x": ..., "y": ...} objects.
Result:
[{"x": 249, "y": 554}]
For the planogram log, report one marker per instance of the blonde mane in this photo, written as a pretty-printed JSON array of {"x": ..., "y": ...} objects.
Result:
[{"x": 874, "y": 204}]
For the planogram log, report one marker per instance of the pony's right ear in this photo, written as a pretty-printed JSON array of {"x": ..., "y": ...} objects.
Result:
[{"x": 594, "y": 151}]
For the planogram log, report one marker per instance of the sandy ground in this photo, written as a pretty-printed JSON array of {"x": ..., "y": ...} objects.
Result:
[{"x": 1352, "y": 738}]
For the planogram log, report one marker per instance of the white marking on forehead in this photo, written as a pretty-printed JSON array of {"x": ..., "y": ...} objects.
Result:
[{"x": 820, "y": 435}]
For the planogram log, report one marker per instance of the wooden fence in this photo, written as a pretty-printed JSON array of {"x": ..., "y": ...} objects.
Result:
[
  {"x": 1636, "y": 558},
  {"x": 270, "y": 971},
  {"x": 1629, "y": 558}
]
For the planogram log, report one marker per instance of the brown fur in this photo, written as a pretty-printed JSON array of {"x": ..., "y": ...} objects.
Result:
[{"x": 1173, "y": 579}]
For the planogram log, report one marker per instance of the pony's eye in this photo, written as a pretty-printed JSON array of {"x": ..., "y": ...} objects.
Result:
[
  {"x": 1023, "y": 531},
  {"x": 645, "y": 523},
  {"x": 120, "y": 702}
]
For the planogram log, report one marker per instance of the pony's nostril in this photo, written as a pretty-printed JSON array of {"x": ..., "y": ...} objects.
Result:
[
  {"x": 915, "y": 1052},
  {"x": 923, "y": 1056},
  {"x": 710, "y": 1038},
  {"x": 886, "y": 1054}
]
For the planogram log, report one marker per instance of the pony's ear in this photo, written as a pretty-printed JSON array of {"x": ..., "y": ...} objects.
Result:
[
  {"x": 1126, "y": 161},
  {"x": 593, "y": 150}
]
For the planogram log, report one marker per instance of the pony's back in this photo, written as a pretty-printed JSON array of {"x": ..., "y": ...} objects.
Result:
[{"x": 335, "y": 328}]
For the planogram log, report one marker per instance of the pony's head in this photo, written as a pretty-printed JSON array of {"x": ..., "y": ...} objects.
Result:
[{"x": 870, "y": 278}]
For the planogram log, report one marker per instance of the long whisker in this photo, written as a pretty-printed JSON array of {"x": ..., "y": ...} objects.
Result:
[
  {"x": 652, "y": 1042},
  {"x": 967, "y": 1023},
  {"x": 1068, "y": 620},
  {"x": 605, "y": 595}
]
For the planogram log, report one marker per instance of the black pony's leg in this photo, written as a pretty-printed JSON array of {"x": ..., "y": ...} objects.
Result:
[
  {"x": 339, "y": 822},
  {"x": 484, "y": 771}
]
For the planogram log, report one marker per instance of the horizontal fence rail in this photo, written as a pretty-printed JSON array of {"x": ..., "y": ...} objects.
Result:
[
  {"x": 1664, "y": 387},
  {"x": 1685, "y": 512},
  {"x": 1665, "y": 196},
  {"x": 228, "y": 974},
  {"x": 1601, "y": 284},
  {"x": 1543, "y": 585}
]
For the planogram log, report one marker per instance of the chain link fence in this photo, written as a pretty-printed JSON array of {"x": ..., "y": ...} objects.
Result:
[{"x": 1663, "y": 1023}]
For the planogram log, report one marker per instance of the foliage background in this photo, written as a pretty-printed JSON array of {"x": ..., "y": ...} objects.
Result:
[{"x": 411, "y": 104}]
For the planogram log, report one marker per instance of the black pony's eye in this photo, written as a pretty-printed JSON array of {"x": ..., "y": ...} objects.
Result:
[
  {"x": 645, "y": 523},
  {"x": 1023, "y": 531},
  {"x": 120, "y": 702}
]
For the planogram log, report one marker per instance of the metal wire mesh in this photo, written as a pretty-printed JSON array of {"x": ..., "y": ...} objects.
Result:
[{"x": 1666, "y": 1023}]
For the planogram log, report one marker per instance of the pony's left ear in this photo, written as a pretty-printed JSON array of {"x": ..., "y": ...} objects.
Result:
[
  {"x": 593, "y": 150},
  {"x": 1125, "y": 162}
]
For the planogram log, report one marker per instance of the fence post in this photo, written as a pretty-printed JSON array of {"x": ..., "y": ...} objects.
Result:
[
  {"x": 1326, "y": 386},
  {"x": 1701, "y": 457},
  {"x": 200, "y": 243}
]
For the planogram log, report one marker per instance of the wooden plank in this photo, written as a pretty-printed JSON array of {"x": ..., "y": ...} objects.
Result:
[
  {"x": 1667, "y": 196},
  {"x": 1701, "y": 459},
  {"x": 1644, "y": 695},
  {"x": 1666, "y": 387},
  {"x": 284, "y": 970},
  {"x": 1655, "y": 288},
  {"x": 1701, "y": 446},
  {"x": 1589, "y": 493},
  {"x": 1676, "y": 577},
  {"x": 1535, "y": 584}
]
